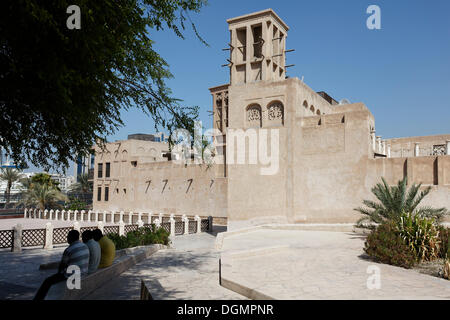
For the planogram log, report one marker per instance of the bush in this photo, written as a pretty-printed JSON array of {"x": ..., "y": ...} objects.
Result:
[
  {"x": 420, "y": 234},
  {"x": 385, "y": 245},
  {"x": 75, "y": 204},
  {"x": 141, "y": 237},
  {"x": 444, "y": 242}
]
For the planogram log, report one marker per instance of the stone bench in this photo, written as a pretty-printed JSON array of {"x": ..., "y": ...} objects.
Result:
[{"x": 124, "y": 260}]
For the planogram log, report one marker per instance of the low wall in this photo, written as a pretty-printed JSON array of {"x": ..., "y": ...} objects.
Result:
[{"x": 94, "y": 281}]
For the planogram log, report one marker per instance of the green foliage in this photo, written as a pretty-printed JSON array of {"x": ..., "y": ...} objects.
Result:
[
  {"x": 444, "y": 242},
  {"x": 11, "y": 176},
  {"x": 185, "y": 119},
  {"x": 43, "y": 196},
  {"x": 83, "y": 185},
  {"x": 393, "y": 201},
  {"x": 385, "y": 245},
  {"x": 141, "y": 237},
  {"x": 44, "y": 179},
  {"x": 75, "y": 204},
  {"x": 420, "y": 234},
  {"x": 62, "y": 90}
]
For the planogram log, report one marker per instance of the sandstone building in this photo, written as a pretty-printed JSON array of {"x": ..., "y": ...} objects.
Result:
[{"x": 330, "y": 155}]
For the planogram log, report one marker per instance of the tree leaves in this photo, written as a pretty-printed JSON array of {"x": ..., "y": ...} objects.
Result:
[{"x": 62, "y": 90}]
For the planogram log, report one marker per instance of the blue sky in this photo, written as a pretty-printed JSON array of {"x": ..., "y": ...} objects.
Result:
[{"x": 401, "y": 72}]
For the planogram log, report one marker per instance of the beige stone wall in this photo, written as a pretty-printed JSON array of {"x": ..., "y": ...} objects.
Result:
[
  {"x": 327, "y": 165},
  {"x": 319, "y": 156},
  {"x": 429, "y": 145},
  {"x": 167, "y": 188},
  {"x": 330, "y": 162},
  {"x": 329, "y": 155},
  {"x": 139, "y": 184}
]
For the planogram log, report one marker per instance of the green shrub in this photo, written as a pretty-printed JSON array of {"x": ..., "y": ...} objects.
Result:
[
  {"x": 141, "y": 237},
  {"x": 119, "y": 241},
  {"x": 385, "y": 245},
  {"x": 444, "y": 242},
  {"x": 75, "y": 204},
  {"x": 420, "y": 234}
]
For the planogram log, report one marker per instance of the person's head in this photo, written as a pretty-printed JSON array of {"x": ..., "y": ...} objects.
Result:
[
  {"x": 73, "y": 236},
  {"x": 97, "y": 234},
  {"x": 87, "y": 235}
]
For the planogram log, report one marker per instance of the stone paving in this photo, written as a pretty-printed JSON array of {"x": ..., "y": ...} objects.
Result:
[
  {"x": 20, "y": 276},
  {"x": 318, "y": 265},
  {"x": 188, "y": 272},
  {"x": 282, "y": 264}
]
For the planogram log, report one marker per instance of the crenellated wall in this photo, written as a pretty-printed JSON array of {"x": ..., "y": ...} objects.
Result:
[
  {"x": 426, "y": 146},
  {"x": 429, "y": 171}
]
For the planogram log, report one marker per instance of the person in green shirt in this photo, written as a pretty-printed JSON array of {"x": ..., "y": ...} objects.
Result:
[{"x": 107, "y": 247}]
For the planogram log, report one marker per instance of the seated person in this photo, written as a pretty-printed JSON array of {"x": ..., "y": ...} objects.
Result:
[
  {"x": 77, "y": 253},
  {"x": 95, "y": 251},
  {"x": 108, "y": 249}
]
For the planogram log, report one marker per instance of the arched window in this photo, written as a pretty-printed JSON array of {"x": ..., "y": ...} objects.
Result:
[
  {"x": 275, "y": 113},
  {"x": 254, "y": 116},
  {"x": 305, "y": 104},
  {"x": 318, "y": 112},
  {"x": 312, "y": 109}
]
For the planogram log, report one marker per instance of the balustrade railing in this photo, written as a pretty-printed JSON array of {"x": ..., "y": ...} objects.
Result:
[{"x": 19, "y": 238}]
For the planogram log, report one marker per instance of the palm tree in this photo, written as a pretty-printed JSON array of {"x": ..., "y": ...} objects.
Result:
[
  {"x": 11, "y": 176},
  {"x": 395, "y": 200},
  {"x": 25, "y": 183},
  {"x": 43, "y": 196},
  {"x": 83, "y": 185}
]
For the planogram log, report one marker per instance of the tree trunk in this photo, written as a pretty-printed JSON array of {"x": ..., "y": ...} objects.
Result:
[{"x": 7, "y": 194}]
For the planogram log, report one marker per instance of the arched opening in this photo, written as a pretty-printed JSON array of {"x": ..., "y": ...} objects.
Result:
[
  {"x": 254, "y": 116},
  {"x": 275, "y": 113},
  {"x": 318, "y": 112},
  {"x": 312, "y": 109},
  {"x": 305, "y": 104}
]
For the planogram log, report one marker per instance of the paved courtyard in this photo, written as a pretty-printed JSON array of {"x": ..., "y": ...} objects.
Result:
[
  {"x": 290, "y": 264},
  {"x": 20, "y": 275},
  {"x": 280, "y": 264},
  {"x": 188, "y": 272}
]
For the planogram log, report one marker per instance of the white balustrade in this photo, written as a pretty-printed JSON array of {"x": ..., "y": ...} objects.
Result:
[
  {"x": 48, "y": 236},
  {"x": 186, "y": 224},
  {"x": 199, "y": 223},
  {"x": 172, "y": 226}
]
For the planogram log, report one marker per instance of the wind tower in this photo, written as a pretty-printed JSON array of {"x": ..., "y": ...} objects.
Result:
[{"x": 257, "y": 48}]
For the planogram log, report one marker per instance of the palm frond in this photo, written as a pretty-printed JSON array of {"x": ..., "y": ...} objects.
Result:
[{"x": 395, "y": 201}]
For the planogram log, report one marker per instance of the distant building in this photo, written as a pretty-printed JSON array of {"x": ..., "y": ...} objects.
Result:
[
  {"x": 64, "y": 183},
  {"x": 5, "y": 161},
  {"x": 157, "y": 137},
  {"x": 84, "y": 165}
]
